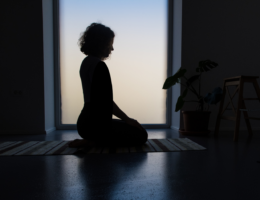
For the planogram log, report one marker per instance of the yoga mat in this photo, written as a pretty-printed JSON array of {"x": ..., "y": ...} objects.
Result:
[{"x": 22, "y": 148}]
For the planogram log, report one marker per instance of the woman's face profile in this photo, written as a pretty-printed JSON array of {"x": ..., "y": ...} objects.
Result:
[{"x": 109, "y": 48}]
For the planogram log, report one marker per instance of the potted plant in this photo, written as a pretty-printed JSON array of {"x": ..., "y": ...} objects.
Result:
[{"x": 195, "y": 122}]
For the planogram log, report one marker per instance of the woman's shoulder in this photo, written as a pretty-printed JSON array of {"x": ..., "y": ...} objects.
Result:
[
  {"x": 101, "y": 66},
  {"x": 101, "y": 63},
  {"x": 90, "y": 61}
]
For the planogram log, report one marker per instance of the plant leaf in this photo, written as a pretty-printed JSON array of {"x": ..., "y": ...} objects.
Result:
[
  {"x": 192, "y": 79},
  {"x": 212, "y": 64},
  {"x": 184, "y": 93},
  {"x": 201, "y": 63},
  {"x": 179, "y": 104},
  {"x": 206, "y": 65},
  {"x": 207, "y": 98},
  {"x": 172, "y": 80},
  {"x": 205, "y": 68},
  {"x": 214, "y": 97}
]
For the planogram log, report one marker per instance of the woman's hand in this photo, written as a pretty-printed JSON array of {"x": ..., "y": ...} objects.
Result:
[{"x": 134, "y": 122}]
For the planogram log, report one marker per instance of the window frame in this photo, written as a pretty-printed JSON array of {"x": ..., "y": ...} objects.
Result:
[{"x": 57, "y": 82}]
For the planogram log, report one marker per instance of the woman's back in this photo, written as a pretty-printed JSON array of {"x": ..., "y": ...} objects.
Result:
[
  {"x": 87, "y": 68},
  {"x": 97, "y": 92}
]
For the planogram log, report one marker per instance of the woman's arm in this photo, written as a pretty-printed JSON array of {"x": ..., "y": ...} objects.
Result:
[{"x": 119, "y": 113}]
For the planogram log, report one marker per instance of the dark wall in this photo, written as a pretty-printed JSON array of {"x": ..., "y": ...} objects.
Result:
[
  {"x": 224, "y": 31},
  {"x": 227, "y": 32},
  {"x": 21, "y": 62}
]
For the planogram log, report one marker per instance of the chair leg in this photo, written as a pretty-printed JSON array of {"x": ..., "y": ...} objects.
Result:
[
  {"x": 238, "y": 112},
  {"x": 257, "y": 89},
  {"x": 237, "y": 126},
  {"x": 219, "y": 111},
  {"x": 217, "y": 126},
  {"x": 247, "y": 120}
]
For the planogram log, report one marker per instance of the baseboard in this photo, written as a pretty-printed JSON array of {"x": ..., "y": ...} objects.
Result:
[
  {"x": 22, "y": 132},
  {"x": 50, "y": 130},
  {"x": 224, "y": 128},
  {"x": 175, "y": 128},
  {"x": 233, "y": 128}
]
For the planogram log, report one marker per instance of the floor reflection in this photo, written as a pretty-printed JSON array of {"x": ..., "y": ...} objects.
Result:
[{"x": 107, "y": 175}]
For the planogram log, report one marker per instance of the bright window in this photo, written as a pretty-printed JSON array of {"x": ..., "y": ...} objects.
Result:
[{"x": 138, "y": 64}]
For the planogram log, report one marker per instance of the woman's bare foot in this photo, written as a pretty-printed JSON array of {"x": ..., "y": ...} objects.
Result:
[{"x": 80, "y": 143}]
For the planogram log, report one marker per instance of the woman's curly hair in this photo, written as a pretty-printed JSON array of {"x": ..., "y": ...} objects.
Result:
[{"x": 95, "y": 39}]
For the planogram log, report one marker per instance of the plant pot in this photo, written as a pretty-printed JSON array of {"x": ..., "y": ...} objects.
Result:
[{"x": 196, "y": 121}]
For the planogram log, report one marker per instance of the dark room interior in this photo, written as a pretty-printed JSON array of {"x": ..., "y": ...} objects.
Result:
[{"x": 226, "y": 31}]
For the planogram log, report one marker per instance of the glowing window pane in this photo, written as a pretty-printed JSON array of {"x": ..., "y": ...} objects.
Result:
[{"x": 138, "y": 64}]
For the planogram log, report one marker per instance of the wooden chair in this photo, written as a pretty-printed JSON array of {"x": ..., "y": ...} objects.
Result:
[{"x": 239, "y": 82}]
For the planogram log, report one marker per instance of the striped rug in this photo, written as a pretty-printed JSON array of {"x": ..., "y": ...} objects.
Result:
[{"x": 22, "y": 148}]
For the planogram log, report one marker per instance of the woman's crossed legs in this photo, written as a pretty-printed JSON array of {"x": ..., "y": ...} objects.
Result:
[{"x": 118, "y": 134}]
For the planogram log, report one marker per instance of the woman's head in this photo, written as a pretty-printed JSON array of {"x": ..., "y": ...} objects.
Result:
[{"x": 97, "y": 40}]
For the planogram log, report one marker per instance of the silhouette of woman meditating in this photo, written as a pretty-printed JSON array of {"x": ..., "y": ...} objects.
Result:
[{"x": 95, "y": 124}]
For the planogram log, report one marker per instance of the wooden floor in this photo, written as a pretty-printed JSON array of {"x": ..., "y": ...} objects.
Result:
[{"x": 226, "y": 170}]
